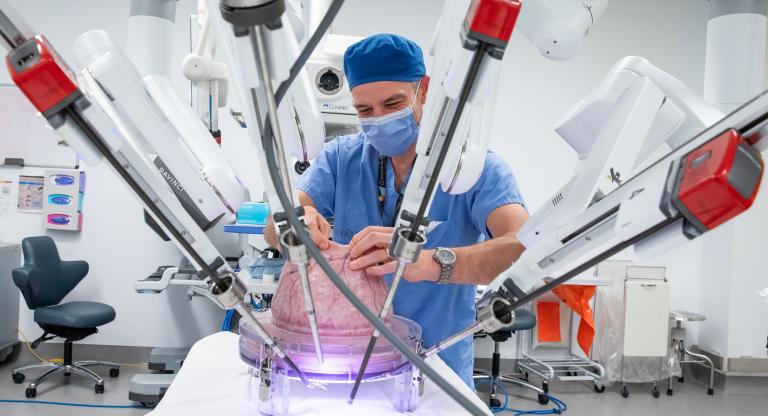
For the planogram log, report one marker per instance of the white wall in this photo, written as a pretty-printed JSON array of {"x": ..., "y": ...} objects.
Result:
[{"x": 534, "y": 93}]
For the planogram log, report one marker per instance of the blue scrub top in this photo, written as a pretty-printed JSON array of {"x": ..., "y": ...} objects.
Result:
[{"x": 342, "y": 184}]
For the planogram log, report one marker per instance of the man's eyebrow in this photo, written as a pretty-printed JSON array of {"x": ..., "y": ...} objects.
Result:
[{"x": 399, "y": 96}]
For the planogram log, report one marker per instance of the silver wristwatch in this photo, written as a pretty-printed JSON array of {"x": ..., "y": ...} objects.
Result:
[{"x": 447, "y": 260}]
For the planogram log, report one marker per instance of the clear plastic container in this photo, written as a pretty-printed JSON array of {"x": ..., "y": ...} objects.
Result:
[
  {"x": 255, "y": 213},
  {"x": 272, "y": 384}
]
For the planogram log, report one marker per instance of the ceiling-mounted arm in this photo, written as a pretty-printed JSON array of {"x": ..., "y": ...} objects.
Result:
[
  {"x": 581, "y": 124},
  {"x": 150, "y": 35},
  {"x": 614, "y": 131},
  {"x": 208, "y": 77},
  {"x": 557, "y": 28}
]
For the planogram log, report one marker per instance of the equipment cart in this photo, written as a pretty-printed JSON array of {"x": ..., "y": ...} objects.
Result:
[{"x": 562, "y": 361}]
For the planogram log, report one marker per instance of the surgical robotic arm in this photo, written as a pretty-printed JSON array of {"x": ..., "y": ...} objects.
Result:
[
  {"x": 704, "y": 181},
  {"x": 82, "y": 110}
]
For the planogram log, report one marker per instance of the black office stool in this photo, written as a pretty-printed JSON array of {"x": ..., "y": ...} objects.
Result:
[
  {"x": 44, "y": 280},
  {"x": 524, "y": 321}
]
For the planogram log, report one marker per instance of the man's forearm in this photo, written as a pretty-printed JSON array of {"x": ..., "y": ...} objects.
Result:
[{"x": 481, "y": 263}]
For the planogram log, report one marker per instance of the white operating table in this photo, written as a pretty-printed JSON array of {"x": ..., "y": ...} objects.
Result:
[{"x": 213, "y": 380}]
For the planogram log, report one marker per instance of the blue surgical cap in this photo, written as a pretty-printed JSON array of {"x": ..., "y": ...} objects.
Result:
[{"x": 383, "y": 57}]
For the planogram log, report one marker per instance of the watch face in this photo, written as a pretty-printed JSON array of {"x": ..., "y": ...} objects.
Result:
[{"x": 446, "y": 256}]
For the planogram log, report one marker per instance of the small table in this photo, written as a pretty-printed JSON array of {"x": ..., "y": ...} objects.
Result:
[
  {"x": 244, "y": 228},
  {"x": 678, "y": 346}
]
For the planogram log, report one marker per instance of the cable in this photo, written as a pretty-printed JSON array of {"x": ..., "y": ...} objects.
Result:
[
  {"x": 100, "y": 406},
  {"x": 25, "y": 340},
  {"x": 560, "y": 406},
  {"x": 34, "y": 353},
  {"x": 506, "y": 395},
  {"x": 136, "y": 365},
  {"x": 227, "y": 324}
]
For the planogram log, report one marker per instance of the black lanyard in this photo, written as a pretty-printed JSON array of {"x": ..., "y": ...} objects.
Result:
[{"x": 382, "y": 192}]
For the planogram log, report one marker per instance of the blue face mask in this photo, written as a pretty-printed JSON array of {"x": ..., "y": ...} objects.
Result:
[{"x": 392, "y": 134}]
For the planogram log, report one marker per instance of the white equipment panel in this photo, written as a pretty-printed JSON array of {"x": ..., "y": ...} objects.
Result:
[{"x": 646, "y": 317}]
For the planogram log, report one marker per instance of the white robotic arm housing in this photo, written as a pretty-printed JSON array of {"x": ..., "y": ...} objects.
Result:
[{"x": 557, "y": 28}]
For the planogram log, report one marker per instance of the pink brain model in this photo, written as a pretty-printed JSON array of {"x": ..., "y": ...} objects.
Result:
[{"x": 335, "y": 315}]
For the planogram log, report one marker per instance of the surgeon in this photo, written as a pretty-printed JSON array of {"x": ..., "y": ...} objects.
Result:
[{"x": 359, "y": 181}]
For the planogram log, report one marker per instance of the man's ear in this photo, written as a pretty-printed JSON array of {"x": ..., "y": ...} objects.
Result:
[{"x": 424, "y": 88}]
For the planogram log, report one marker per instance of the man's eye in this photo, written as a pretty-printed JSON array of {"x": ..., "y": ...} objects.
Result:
[{"x": 393, "y": 105}]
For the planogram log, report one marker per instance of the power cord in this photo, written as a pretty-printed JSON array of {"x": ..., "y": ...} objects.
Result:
[
  {"x": 560, "y": 406},
  {"x": 227, "y": 324},
  {"x": 100, "y": 406},
  {"x": 26, "y": 342}
]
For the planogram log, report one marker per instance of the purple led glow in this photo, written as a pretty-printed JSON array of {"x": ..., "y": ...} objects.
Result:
[{"x": 342, "y": 355}]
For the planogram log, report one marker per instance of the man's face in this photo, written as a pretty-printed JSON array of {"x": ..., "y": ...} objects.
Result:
[{"x": 376, "y": 99}]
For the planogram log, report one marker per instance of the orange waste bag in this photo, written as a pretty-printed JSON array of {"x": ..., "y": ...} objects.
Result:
[
  {"x": 548, "y": 321},
  {"x": 577, "y": 297}
]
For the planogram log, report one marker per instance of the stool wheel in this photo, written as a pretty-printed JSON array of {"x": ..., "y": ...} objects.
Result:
[
  {"x": 598, "y": 388},
  {"x": 30, "y": 392}
]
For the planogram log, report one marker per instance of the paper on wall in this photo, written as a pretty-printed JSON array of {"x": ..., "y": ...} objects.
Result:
[
  {"x": 5, "y": 198},
  {"x": 30, "y": 193}
]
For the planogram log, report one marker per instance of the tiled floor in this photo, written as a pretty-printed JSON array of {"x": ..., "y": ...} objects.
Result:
[{"x": 689, "y": 398}]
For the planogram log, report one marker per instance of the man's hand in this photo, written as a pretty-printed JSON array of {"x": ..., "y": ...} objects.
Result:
[
  {"x": 318, "y": 227},
  {"x": 369, "y": 250}
]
